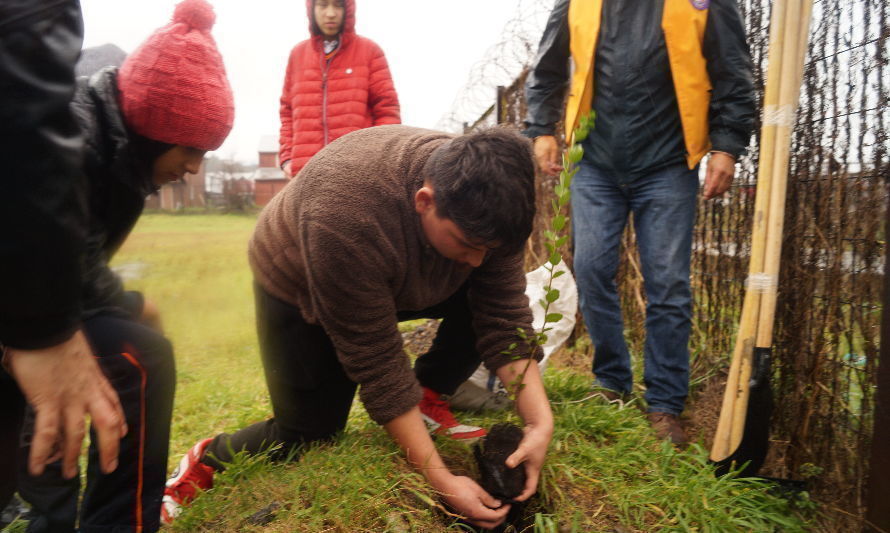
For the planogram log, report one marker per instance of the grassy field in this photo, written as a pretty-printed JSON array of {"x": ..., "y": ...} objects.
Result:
[{"x": 605, "y": 471}]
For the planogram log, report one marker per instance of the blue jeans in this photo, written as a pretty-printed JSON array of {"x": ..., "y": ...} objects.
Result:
[{"x": 663, "y": 206}]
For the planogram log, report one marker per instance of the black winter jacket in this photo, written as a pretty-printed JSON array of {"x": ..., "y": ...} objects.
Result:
[
  {"x": 637, "y": 126},
  {"x": 119, "y": 178},
  {"x": 42, "y": 209}
]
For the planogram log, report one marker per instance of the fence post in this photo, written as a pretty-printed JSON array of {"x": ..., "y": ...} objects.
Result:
[
  {"x": 878, "y": 491},
  {"x": 499, "y": 110}
]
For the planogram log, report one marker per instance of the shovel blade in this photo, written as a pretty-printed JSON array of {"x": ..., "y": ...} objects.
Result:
[{"x": 754, "y": 446}]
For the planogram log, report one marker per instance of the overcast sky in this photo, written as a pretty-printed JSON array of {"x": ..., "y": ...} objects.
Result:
[{"x": 431, "y": 47}]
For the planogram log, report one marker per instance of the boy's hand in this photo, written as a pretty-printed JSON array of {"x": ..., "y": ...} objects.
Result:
[
  {"x": 63, "y": 384},
  {"x": 470, "y": 500},
  {"x": 547, "y": 154},
  {"x": 531, "y": 452},
  {"x": 151, "y": 316}
]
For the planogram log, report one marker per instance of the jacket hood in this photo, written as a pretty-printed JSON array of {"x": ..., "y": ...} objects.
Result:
[{"x": 348, "y": 20}]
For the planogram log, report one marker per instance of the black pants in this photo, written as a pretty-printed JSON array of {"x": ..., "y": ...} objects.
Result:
[
  {"x": 139, "y": 364},
  {"x": 310, "y": 392}
]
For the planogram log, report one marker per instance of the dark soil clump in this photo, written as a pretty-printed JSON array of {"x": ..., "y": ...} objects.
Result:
[{"x": 498, "y": 479}]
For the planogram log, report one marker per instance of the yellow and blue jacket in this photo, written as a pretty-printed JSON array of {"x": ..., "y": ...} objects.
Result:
[{"x": 669, "y": 80}]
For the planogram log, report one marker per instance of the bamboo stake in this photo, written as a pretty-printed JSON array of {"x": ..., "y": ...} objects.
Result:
[
  {"x": 792, "y": 77},
  {"x": 796, "y": 29},
  {"x": 789, "y": 92},
  {"x": 744, "y": 345}
]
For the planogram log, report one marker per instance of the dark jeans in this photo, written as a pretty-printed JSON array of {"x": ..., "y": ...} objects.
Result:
[
  {"x": 663, "y": 206},
  {"x": 310, "y": 392},
  {"x": 139, "y": 364}
]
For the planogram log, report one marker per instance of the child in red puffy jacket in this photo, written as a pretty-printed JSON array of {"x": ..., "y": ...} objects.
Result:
[{"x": 336, "y": 82}]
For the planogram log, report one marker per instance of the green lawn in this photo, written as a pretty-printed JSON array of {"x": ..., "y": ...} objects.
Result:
[{"x": 605, "y": 471}]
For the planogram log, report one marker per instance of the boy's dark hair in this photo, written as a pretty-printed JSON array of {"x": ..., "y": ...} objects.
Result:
[{"x": 484, "y": 182}]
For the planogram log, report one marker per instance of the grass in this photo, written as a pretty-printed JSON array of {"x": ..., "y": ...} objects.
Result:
[{"x": 605, "y": 471}]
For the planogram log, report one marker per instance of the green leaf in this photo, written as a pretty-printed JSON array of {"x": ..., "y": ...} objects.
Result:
[
  {"x": 550, "y": 235},
  {"x": 553, "y": 317},
  {"x": 550, "y": 247},
  {"x": 555, "y": 258},
  {"x": 581, "y": 134},
  {"x": 542, "y": 303},
  {"x": 562, "y": 241},
  {"x": 576, "y": 152},
  {"x": 558, "y": 273},
  {"x": 558, "y": 189},
  {"x": 552, "y": 295},
  {"x": 559, "y": 222}
]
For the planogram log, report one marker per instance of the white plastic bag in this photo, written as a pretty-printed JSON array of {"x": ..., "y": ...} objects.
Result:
[{"x": 484, "y": 390}]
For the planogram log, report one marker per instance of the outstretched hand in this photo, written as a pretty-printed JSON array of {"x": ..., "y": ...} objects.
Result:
[{"x": 63, "y": 383}]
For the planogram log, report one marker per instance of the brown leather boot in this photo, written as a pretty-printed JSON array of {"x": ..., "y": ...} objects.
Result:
[{"x": 667, "y": 427}]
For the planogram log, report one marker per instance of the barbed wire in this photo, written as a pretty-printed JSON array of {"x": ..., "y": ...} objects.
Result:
[{"x": 500, "y": 64}]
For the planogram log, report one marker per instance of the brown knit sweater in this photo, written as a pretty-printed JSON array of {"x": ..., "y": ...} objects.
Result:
[{"x": 343, "y": 243}]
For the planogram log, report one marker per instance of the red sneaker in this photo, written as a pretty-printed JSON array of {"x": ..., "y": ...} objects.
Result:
[
  {"x": 189, "y": 477},
  {"x": 439, "y": 421}
]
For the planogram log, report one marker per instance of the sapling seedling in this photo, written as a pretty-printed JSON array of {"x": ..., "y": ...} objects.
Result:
[
  {"x": 497, "y": 478},
  {"x": 555, "y": 237}
]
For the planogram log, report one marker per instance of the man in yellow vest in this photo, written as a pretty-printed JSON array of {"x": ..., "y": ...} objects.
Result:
[{"x": 670, "y": 81}]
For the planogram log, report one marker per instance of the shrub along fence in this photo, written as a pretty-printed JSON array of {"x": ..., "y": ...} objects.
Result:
[{"x": 826, "y": 340}]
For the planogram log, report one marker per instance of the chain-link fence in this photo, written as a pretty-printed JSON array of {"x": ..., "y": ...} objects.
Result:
[{"x": 828, "y": 316}]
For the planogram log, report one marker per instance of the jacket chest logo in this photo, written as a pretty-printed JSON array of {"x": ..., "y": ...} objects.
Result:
[
  {"x": 349, "y": 71},
  {"x": 701, "y": 5}
]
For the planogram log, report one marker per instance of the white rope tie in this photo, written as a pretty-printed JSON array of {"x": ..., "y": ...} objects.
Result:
[
  {"x": 762, "y": 282},
  {"x": 779, "y": 115}
]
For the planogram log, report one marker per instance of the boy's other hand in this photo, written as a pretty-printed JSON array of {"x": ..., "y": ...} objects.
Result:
[
  {"x": 151, "y": 316},
  {"x": 63, "y": 383},
  {"x": 532, "y": 451}
]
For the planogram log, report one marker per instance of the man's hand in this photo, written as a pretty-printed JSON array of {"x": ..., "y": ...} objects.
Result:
[
  {"x": 470, "y": 500},
  {"x": 532, "y": 451},
  {"x": 287, "y": 170},
  {"x": 547, "y": 154},
  {"x": 63, "y": 383},
  {"x": 721, "y": 169}
]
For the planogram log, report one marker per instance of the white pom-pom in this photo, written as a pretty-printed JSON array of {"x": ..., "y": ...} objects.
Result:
[{"x": 197, "y": 14}]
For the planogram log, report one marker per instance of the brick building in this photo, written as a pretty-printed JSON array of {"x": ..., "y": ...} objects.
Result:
[{"x": 268, "y": 178}]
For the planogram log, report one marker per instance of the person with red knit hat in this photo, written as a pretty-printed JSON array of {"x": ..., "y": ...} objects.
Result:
[
  {"x": 336, "y": 82},
  {"x": 144, "y": 125}
]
